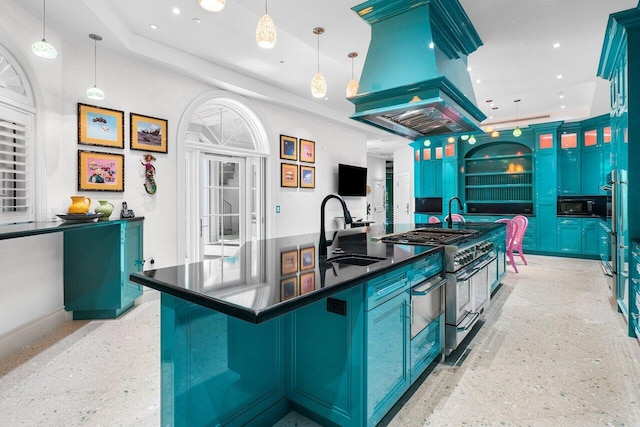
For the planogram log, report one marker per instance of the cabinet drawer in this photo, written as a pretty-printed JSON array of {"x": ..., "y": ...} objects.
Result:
[
  {"x": 426, "y": 268},
  {"x": 426, "y": 346},
  {"x": 386, "y": 287}
]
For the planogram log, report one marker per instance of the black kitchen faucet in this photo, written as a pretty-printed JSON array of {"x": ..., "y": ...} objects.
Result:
[{"x": 322, "y": 247}]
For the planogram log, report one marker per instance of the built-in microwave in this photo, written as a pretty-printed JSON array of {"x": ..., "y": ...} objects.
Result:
[{"x": 576, "y": 206}]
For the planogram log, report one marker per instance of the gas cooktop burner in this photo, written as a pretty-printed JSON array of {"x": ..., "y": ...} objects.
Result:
[{"x": 428, "y": 236}]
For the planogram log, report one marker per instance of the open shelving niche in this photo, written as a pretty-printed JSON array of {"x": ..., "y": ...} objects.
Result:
[{"x": 499, "y": 173}]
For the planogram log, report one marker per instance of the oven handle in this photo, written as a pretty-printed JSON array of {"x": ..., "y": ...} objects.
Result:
[
  {"x": 426, "y": 289},
  {"x": 487, "y": 262},
  {"x": 470, "y": 323},
  {"x": 467, "y": 276}
]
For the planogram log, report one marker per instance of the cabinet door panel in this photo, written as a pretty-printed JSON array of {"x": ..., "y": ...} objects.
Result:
[
  {"x": 592, "y": 170},
  {"x": 590, "y": 237},
  {"x": 569, "y": 236},
  {"x": 569, "y": 176},
  {"x": 387, "y": 356}
]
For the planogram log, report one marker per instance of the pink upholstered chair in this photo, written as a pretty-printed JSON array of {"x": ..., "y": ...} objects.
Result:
[
  {"x": 511, "y": 233},
  {"x": 521, "y": 223},
  {"x": 455, "y": 218},
  {"x": 434, "y": 220}
]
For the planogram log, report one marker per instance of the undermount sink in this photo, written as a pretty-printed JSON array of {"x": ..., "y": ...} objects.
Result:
[{"x": 361, "y": 260}]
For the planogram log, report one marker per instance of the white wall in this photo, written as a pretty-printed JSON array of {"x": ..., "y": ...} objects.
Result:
[
  {"x": 136, "y": 86},
  {"x": 300, "y": 207}
]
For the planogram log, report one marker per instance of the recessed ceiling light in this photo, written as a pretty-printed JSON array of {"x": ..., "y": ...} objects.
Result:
[
  {"x": 563, "y": 106},
  {"x": 469, "y": 68},
  {"x": 175, "y": 11},
  {"x": 326, "y": 99},
  {"x": 556, "y": 45},
  {"x": 478, "y": 81},
  {"x": 195, "y": 20},
  {"x": 153, "y": 26},
  {"x": 559, "y": 76},
  {"x": 561, "y": 95}
]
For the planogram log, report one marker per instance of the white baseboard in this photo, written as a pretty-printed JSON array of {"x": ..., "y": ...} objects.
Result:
[{"x": 30, "y": 332}]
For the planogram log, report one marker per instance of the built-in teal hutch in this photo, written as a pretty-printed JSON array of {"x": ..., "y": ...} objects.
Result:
[
  {"x": 620, "y": 63},
  {"x": 502, "y": 176}
]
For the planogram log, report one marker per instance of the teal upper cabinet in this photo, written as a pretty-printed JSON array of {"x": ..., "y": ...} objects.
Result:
[
  {"x": 428, "y": 170},
  {"x": 584, "y": 156},
  {"x": 569, "y": 161}
]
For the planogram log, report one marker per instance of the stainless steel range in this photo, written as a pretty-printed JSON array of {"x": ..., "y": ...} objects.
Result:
[{"x": 469, "y": 262}]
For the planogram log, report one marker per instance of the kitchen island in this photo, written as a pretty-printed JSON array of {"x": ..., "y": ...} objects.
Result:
[{"x": 246, "y": 339}]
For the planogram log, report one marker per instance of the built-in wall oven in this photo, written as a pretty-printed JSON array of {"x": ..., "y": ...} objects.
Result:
[
  {"x": 427, "y": 303},
  {"x": 468, "y": 290}
]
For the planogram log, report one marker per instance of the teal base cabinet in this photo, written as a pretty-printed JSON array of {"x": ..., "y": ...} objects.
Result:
[
  {"x": 97, "y": 263},
  {"x": 634, "y": 291},
  {"x": 219, "y": 370},
  {"x": 579, "y": 237}
]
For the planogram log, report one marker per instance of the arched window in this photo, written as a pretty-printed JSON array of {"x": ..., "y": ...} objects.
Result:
[{"x": 17, "y": 159}]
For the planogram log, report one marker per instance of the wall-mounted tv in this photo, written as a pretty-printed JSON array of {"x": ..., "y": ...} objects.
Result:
[{"x": 352, "y": 180}]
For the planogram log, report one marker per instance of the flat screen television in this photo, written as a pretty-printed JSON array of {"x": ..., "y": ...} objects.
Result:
[{"x": 352, "y": 180}]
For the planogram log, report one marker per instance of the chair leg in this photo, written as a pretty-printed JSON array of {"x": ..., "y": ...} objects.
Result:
[{"x": 512, "y": 261}]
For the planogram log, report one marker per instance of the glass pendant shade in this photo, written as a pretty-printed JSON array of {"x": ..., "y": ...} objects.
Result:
[
  {"x": 318, "y": 86},
  {"x": 212, "y": 5},
  {"x": 472, "y": 140},
  {"x": 352, "y": 88},
  {"x": 43, "y": 49},
  {"x": 266, "y": 32},
  {"x": 517, "y": 131},
  {"x": 95, "y": 93}
]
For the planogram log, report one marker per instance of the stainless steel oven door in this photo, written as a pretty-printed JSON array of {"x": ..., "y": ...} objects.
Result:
[
  {"x": 427, "y": 303},
  {"x": 481, "y": 284},
  {"x": 458, "y": 297}
]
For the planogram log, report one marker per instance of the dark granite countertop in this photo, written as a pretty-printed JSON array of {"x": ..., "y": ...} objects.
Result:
[
  {"x": 268, "y": 278},
  {"x": 33, "y": 228}
]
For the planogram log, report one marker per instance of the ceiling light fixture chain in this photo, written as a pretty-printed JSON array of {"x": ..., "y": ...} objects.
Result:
[{"x": 318, "y": 83}]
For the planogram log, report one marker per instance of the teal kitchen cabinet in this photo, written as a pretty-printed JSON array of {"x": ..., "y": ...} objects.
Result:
[
  {"x": 330, "y": 354},
  {"x": 569, "y": 236},
  {"x": 97, "y": 263},
  {"x": 590, "y": 236},
  {"x": 569, "y": 170},
  {"x": 388, "y": 355},
  {"x": 634, "y": 291}
]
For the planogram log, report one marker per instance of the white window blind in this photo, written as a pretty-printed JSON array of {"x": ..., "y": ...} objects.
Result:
[{"x": 16, "y": 170}]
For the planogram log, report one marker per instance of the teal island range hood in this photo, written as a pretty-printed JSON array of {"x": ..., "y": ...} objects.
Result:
[{"x": 415, "y": 81}]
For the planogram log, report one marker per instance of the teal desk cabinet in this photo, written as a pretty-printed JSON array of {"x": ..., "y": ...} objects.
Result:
[
  {"x": 98, "y": 258},
  {"x": 97, "y": 263}
]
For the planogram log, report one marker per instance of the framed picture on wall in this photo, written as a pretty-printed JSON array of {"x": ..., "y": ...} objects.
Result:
[
  {"x": 148, "y": 133},
  {"x": 100, "y": 171},
  {"x": 307, "y": 177},
  {"x": 288, "y": 262},
  {"x": 307, "y": 151},
  {"x": 288, "y": 288},
  {"x": 100, "y": 126},
  {"x": 288, "y": 175},
  {"x": 307, "y": 282},
  {"x": 288, "y": 147},
  {"x": 307, "y": 258}
]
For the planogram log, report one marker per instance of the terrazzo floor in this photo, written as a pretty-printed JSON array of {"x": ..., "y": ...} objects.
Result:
[{"x": 551, "y": 352}]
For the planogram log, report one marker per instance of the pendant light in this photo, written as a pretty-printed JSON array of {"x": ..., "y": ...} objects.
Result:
[
  {"x": 266, "y": 30},
  {"x": 472, "y": 140},
  {"x": 212, "y": 5},
  {"x": 95, "y": 92},
  {"x": 352, "y": 86},
  {"x": 517, "y": 131},
  {"x": 489, "y": 128},
  {"x": 43, "y": 49},
  {"x": 318, "y": 83}
]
